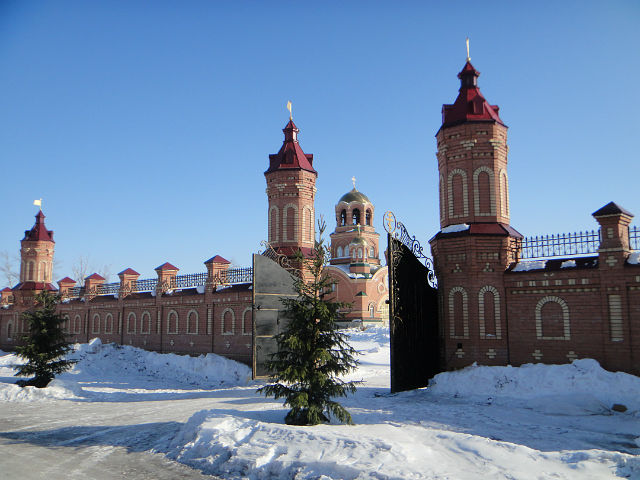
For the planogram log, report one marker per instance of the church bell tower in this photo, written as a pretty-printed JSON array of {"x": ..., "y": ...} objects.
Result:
[{"x": 291, "y": 189}]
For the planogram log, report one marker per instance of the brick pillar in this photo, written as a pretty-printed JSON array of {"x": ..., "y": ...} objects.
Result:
[
  {"x": 65, "y": 285},
  {"x": 128, "y": 279},
  {"x": 216, "y": 270},
  {"x": 612, "y": 255},
  {"x": 91, "y": 283},
  {"x": 614, "y": 235},
  {"x": 166, "y": 273}
]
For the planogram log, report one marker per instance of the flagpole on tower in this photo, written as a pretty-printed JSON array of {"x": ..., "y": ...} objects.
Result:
[
  {"x": 289, "y": 108},
  {"x": 38, "y": 203}
]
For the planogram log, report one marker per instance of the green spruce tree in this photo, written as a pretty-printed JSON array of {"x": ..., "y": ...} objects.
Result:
[
  {"x": 312, "y": 352},
  {"x": 44, "y": 347}
]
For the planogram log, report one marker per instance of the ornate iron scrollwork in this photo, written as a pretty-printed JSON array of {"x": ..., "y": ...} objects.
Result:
[
  {"x": 398, "y": 231},
  {"x": 279, "y": 258}
]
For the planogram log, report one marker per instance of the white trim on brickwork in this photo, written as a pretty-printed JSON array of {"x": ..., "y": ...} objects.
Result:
[
  {"x": 496, "y": 309},
  {"x": 285, "y": 233},
  {"x": 197, "y": 320},
  {"x": 135, "y": 320},
  {"x": 476, "y": 192},
  {"x": 95, "y": 327},
  {"x": 172, "y": 313},
  {"x": 307, "y": 224},
  {"x": 504, "y": 193},
  {"x": 247, "y": 330},
  {"x": 565, "y": 318},
  {"x": 615, "y": 318},
  {"x": 442, "y": 197},
  {"x": 108, "y": 323},
  {"x": 77, "y": 324},
  {"x": 465, "y": 193},
  {"x": 146, "y": 314},
  {"x": 273, "y": 229},
  {"x": 465, "y": 314},
  {"x": 9, "y": 330},
  {"x": 233, "y": 322}
]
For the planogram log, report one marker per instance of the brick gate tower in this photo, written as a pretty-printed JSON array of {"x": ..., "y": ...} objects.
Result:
[
  {"x": 36, "y": 262},
  {"x": 291, "y": 189},
  {"x": 475, "y": 244}
]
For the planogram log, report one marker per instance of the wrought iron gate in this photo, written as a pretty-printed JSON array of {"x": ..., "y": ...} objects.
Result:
[
  {"x": 271, "y": 282},
  {"x": 413, "y": 310}
]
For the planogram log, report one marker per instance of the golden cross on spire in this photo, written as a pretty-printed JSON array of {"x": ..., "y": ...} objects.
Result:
[
  {"x": 289, "y": 108},
  {"x": 468, "y": 57},
  {"x": 353, "y": 179}
]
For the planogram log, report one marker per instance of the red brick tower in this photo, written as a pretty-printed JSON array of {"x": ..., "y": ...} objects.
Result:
[
  {"x": 36, "y": 262},
  {"x": 291, "y": 189},
  {"x": 476, "y": 243}
]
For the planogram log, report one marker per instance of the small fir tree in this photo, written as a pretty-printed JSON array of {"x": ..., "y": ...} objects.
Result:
[
  {"x": 312, "y": 352},
  {"x": 44, "y": 347}
]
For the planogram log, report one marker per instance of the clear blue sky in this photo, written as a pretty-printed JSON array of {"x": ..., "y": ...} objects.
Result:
[{"x": 146, "y": 125}]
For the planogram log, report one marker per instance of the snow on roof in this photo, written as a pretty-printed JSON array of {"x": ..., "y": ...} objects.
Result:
[
  {"x": 458, "y": 227},
  {"x": 526, "y": 265}
]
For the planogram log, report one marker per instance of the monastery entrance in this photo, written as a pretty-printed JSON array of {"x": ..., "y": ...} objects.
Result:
[{"x": 413, "y": 310}]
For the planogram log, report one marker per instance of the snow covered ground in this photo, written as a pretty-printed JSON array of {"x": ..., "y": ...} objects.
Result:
[{"x": 530, "y": 422}]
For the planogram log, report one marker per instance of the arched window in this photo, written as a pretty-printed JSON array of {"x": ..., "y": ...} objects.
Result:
[
  {"x": 339, "y": 252},
  {"x": 246, "y": 322},
  {"x": 372, "y": 310},
  {"x": 343, "y": 217},
  {"x": 291, "y": 222},
  {"x": 457, "y": 193},
  {"x": 95, "y": 323},
  {"x": 30, "y": 274},
  {"x": 145, "y": 322},
  {"x": 77, "y": 320},
  {"x": 66, "y": 325},
  {"x": 372, "y": 253},
  {"x": 368, "y": 217},
  {"x": 504, "y": 193},
  {"x": 228, "y": 322},
  {"x": 131, "y": 322},
  {"x": 552, "y": 319},
  {"x": 489, "y": 312},
  {"x": 108, "y": 323},
  {"x": 346, "y": 251},
  {"x": 192, "y": 322},
  {"x": 172, "y": 322},
  {"x": 359, "y": 253},
  {"x": 9, "y": 328},
  {"x": 458, "y": 313},
  {"x": 356, "y": 216},
  {"x": 458, "y": 186},
  {"x": 442, "y": 196},
  {"x": 43, "y": 272},
  {"x": 273, "y": 224}
]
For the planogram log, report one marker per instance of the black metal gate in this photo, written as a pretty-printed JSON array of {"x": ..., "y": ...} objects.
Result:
[
  {"x": 272, "y": 281},
  {"x": 413, "y": 310}
]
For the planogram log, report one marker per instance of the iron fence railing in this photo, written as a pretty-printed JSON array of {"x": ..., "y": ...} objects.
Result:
[
  {"x": 189, "y": 280},
  {"x": 231, "y": 276},
  {"x": 559, "y": 245},
  {"x": 634, "y": 238}
]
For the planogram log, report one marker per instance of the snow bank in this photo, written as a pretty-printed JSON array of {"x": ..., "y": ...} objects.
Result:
[
  {"x": 243, "y": 448},
  {"x": 582, "y": 384},
  {"x": 122, "y": 372},
  {"x": 634, "y": 258}
]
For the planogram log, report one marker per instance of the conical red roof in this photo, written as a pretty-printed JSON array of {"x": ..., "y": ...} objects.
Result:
[
  {"x": 470, "y": 104},
  {"x": 291, "y": 155},
  {"x": 39, "y": 231}
]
